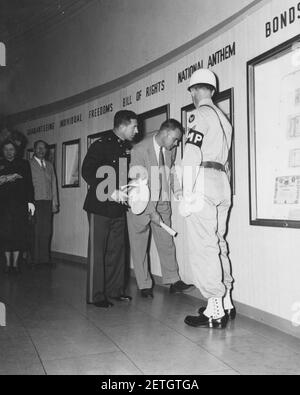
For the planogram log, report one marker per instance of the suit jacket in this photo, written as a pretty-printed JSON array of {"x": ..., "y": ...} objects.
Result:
[
  {"x": 143, "y": 160},
  {"x": 44, "y": 181},
  {"x": 109, "y": 150}
]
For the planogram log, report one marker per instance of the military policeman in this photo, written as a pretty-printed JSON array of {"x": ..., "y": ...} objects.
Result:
[
  {"x": 206, "y": 153},
  {"x": 105, "y": 170}
]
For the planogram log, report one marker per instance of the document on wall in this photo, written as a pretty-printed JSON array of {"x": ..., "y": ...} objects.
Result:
[
  {"x": 277, "y": 116},
  {"x": 287, "y": 190}
]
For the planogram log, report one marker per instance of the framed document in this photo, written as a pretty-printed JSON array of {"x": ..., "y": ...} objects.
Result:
[
  {"x": 274, "y": 136},
  {"x": 151, "y": 121},
  {"x": 71, "y": 164},
  {"x": 225, "y": 101}
]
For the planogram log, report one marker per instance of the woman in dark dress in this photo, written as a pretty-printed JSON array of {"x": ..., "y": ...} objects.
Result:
[{"x": 16, "y": 201}]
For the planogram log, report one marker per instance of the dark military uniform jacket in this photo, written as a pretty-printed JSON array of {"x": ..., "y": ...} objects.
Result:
[{"x": 105, "y": 169}]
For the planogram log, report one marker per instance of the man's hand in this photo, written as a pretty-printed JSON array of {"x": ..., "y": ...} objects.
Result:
[
  {"x": 31, "y": 209},
  {"x": 155, "y": 218},
  {"x": 120, "y": 197},
  {"x": 184, "y": 209}
]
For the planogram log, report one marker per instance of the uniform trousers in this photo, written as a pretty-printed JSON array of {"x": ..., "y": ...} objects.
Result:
[
  {"x": 139, "y": 228},
  {"x": 42, "y": 231},
  {"x": 208, "y": 249},
  {"x": 106, "y": 258}
]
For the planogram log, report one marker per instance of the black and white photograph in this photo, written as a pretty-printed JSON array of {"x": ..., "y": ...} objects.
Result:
[{"x": 149, "y": 190}]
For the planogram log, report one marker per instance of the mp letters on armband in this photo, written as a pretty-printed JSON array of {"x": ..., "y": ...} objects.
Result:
[{"x": 195, "y": 138}]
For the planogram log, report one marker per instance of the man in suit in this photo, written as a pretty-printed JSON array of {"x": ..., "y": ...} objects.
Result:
[
  {"x": 108, "y": 156},
  {"x": 155, "y": 152},
  {"x": 46, "y": 201}
]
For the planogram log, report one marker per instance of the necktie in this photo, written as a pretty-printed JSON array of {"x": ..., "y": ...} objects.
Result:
[{"x": 164, "y": 187}]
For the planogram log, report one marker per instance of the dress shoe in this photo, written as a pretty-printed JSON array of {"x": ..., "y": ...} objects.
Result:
[
  {"x": 230, "y": 314},
  {"x": 104, "y": 304},
  {"x": 204, "y": 322},
  {"x": 16, "y": 270},
  {"x": 147, "y": 293},
  {"x": 180, "y": 287},
  {"x": 122, "y": 298}
]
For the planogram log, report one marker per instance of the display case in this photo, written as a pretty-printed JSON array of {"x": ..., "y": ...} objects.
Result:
[{"x": 274, "y": 136}]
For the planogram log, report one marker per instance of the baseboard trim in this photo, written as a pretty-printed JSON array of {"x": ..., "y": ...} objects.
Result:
[
  {"x": 244, "y": 310},
  {"x": 69, "y": 258}
]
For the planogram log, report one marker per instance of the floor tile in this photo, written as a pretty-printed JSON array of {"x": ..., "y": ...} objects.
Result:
[
  {"x": 228, "y": 372},
  {"x": 156, "y": 349},
  {"x": 19, "y": 350},
  {"x": 254, "y": 355},
  {"x": 20, "y": 369},
  {"x": 62, "y": 345},
  {"x": 49, "y": 325},
  {"x": 103, "y": 364}
]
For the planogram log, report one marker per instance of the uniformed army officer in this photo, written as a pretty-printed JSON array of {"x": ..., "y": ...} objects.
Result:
[
  {"x": 207, "y": 148},
  {"x": 105, "y": 171}
]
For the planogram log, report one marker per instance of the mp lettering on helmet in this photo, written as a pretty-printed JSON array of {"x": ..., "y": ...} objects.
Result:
[{"x": 195, "y": 138}]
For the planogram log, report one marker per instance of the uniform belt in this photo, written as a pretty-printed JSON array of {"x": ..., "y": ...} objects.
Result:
[{"x": 213, "y": 165}]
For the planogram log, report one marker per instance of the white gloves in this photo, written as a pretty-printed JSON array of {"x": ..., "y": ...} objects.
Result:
[
  {"x": 120, "y": 197},
  {"x": 184, "y": 208},
  {"x": 31, "y": 208},
  {"x": 191, "y": 203}
]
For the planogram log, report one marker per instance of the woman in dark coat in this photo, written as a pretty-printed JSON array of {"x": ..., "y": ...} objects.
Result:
[{"x": 16, "y": 201}]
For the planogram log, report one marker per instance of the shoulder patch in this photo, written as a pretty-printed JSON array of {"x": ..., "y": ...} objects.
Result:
[{"x": 195, "y": 138}]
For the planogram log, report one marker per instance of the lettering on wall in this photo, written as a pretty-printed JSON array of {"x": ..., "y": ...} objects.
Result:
[
  {"x": 221, "y": 55},
  {"x": 99, "y": 111},
  {"x": 282, "y": 21},
  {"x": 155, "y": 88},
  {"x": 41, "y": 129},
  {"x": 138, "y": 95},
  {"x": 127, "y": 101},
  {"x": 186, "y": 74},
  {"x": 70, "y": 121},
  {"x": 217, "y": 57}
]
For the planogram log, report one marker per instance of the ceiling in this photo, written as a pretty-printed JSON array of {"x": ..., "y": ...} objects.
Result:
[{"x": 19, "y": 18}]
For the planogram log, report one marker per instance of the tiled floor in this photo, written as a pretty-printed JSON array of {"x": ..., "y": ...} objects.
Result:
[{"x": 50, "y": 330}]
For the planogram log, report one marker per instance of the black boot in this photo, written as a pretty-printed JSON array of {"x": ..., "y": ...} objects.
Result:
[
  {"x": 104, "y": 304},
  {"x": 204, "y": 322}
]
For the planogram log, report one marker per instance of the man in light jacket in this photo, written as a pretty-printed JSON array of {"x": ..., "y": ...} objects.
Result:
[{"x": 46, "y": 199}]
